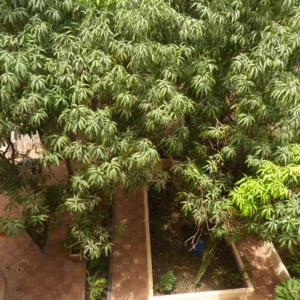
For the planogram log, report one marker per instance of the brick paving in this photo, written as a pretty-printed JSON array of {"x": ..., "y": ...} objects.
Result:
[
  {"x": 33, "y": 274},
  {"x": 131, "y": 265}
]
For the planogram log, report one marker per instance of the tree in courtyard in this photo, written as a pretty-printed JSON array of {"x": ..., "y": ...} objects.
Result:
[{"x": 112, "y": 87}]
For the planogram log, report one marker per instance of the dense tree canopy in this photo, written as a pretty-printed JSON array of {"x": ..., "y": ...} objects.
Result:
[{"x": 112, "y": 87}]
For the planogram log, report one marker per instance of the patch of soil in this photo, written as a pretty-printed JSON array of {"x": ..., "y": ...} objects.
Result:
[{"x": 169, "y": 253}]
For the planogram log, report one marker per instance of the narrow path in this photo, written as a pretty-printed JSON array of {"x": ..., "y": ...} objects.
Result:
[
  {"x": 131, "y": 270},
  {"x": 32, "y": 274},
  {"x": 264, "y": 268}
]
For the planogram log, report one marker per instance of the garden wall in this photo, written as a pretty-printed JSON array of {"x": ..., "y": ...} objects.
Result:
[
  {"x": 233, "y": 294},
  {"x": 276, "y": 262}
]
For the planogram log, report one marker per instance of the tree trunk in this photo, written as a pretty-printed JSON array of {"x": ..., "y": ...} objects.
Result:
[{"x": 69, "y": 168}]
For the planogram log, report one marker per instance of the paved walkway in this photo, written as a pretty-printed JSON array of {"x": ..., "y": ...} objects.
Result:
[
  {"x": 131, "y": 270},
  {"x": 33, "y": 274},
  {"x": 265, "y": 272}
]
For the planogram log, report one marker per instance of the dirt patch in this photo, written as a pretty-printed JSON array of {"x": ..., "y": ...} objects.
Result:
[{"x": 169, "y": 252}]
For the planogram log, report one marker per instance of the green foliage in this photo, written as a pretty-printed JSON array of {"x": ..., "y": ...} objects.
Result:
[
  {"x": 97, "y": 287},
  {"x": 113, "y": 86},
  {"x": 206, "y": 259},
  {"x": 203, "y": 199},
  {"x": 97, "y": 274},
  {"x": 166, "y": 282},
  {"x": 98, "y": 266},
  {"x": 289, "y": 290},
  {"x": 255, "y": 195},
  {"x": 88, "y": 232},
  {"x": 269, "y": 204},
  {"x": 295, "y": 269},
  {"x": 11, "y": 226}
]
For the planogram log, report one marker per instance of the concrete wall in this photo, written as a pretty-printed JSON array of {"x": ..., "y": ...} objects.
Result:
[
  {"x": 278, "y": 266},
  {"x": 232, "y": 294}
]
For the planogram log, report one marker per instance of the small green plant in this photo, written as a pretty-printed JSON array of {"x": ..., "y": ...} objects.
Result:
[
  {"x": 289, "y": 290},
  {"x": 295, "y": 268},
  {"x": 166, "y": 282},
  {"x": 97, "y": 287},
  {"x": 206, "y": 259}
]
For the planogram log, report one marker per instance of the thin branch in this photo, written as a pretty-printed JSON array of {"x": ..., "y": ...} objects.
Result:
[
  {"x": 194, "y": 238},
  {"x": 69, "y": 168},
  {"x": 13, "y": 150}
]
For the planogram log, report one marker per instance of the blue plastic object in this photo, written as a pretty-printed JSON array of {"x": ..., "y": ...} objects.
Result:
[{"x": 199, "y": 247}]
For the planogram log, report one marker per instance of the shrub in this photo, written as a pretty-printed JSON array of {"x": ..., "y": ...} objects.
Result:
[
  {"x": 289, "y": 290},
  {"x": 166, "y": 282},
  {"x": 97, "y": 287},
  {"x": 295, "y": 268},
  {"x": 113, "y": 87}
]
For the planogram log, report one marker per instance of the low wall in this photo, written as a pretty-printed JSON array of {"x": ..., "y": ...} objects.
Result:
[
  {"x": 2, "y": 287},
  {"x": 232, "y": 294},
  {"x": 275, "y": 260}
]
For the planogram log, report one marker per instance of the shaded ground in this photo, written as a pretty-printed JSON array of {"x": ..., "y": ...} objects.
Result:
[
  {"x": 168, "y": 234},
  {"x": 222, "y": 273},
  {"x": 33, "y": 274}
]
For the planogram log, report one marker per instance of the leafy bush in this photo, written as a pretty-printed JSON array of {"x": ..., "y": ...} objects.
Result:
[
  {"x": 271, "y": 198},
  {"x": 98, "y": 266},
  {"x": 289, "y": 290},
  {"x": 255, "y": 194},
  {"x": 97, "y": 287},
  {"x": 295, "y": 269},
  {"x": 166, "y": 282},
  {"x": 113, "y": 86}
]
